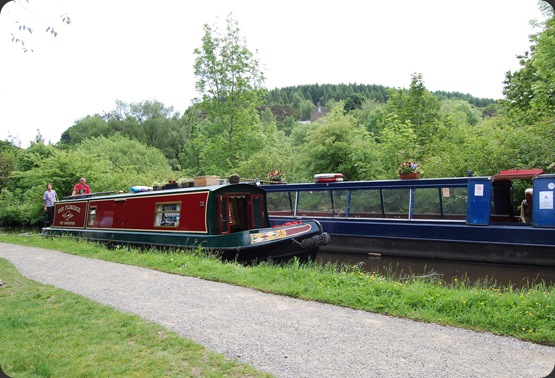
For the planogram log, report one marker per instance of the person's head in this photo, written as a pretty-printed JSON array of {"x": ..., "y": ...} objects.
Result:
[
  {"x": 528, "y": 194},
  {"x": 82, "y": 180},
  {"x": 49, "y": 186}
]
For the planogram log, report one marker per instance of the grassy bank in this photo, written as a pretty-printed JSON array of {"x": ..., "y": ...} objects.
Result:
[
  {"x": 48, "y": 332},
  {"x": 525, "y": 313}
]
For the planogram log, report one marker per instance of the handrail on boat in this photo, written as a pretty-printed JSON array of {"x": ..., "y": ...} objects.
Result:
[{"x": 95, "y": 194}]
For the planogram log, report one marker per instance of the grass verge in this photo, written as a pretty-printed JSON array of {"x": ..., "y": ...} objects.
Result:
[
  {"x": 525, "y": 313},
  {"x": 48, "y": 332}
]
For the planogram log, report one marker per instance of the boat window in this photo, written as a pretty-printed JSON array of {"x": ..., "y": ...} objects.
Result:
[
  {"x": 317, "y": 202},
  {"x": 396, "y": 203},
  {"x": 427, "y": 202},
  {"x": 280, "y": 202},
  {"x": 92, "y": 215},
  {"x": 454, "y": 200},
  {"x": 439, "y": 203},
  {"x": 340, "y": 203},
  {"x": 366, "y": 204},
  {"x": 167, "y": 214}
]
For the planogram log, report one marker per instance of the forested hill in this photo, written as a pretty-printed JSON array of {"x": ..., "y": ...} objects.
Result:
[{"x": 341, "y": 92}]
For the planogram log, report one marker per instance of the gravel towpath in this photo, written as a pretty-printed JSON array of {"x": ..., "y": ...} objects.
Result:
[{"x": 285, "y": 336}]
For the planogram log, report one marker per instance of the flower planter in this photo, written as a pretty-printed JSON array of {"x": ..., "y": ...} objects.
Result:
[{"x": 409, "y": 176}]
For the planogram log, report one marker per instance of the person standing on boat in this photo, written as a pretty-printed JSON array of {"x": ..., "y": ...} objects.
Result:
[
  {"x": 50, "y": 197},
  {"x": 81, "y": 187},
  {"x": 526, "y": 207}
]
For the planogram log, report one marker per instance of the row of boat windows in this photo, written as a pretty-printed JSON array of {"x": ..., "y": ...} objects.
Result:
[
  {"x": 371, "y": 202},
  {"x": 166, "y": 215}
]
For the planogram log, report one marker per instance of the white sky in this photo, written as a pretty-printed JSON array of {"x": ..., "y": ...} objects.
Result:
[{"x": 138, "y": 50}]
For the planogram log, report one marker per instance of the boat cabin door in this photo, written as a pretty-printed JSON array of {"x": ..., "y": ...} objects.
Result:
[{"x": 240, "y": 212}]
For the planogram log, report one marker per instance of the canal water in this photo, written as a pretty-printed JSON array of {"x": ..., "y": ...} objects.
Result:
[{"x": 494, "y": 274}]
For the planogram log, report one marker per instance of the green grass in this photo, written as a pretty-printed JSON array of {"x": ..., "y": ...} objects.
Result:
[
  {"x": 525, "y": 313},
  {"x": 48, "y": 332}
]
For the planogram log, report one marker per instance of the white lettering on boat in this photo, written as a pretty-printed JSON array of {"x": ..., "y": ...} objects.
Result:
[{"x": 69, "y": 207}]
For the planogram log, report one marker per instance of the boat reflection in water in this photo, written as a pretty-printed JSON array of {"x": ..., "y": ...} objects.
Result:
[{"x": 494, "y": 274}]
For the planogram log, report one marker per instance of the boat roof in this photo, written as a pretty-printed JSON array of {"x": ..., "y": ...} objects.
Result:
[
  {"x": 241, "y": 187},
  {"x": 375, "y": 184},
  {"x": 523, "y": 174}
]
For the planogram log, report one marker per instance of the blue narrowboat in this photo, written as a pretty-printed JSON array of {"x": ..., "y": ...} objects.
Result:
[{"x": 466, "y": 218}]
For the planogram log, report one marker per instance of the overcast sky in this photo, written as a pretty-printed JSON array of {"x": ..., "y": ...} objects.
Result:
[{"x": 138, "y": 50}]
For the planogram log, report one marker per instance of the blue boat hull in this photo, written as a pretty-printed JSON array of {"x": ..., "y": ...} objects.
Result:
[{"x": 501, "y": 244}]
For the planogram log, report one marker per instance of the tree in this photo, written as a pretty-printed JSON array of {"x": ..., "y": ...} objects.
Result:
[
  {"x": 149, "y": 122},
  {"x": 398, "y": 143},
  {"x": 229, "y": 81},
  {"x": 7, "y": 163},
  {"x": 87, "y": 127},
  {"x": 132, "y": 162},
  {"x": 354, "y": 101},
  {"x": 370, "y": 114},
  {"x": 417, "y": 107},
  {"x": 28, "y": 16},
  {"x": 334, "y": 142},
  {"x": 529, "y": 92},
  {"x": 109, "y": 164}
]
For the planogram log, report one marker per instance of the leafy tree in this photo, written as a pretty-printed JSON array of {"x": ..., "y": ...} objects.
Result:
[
  {"x": 20, "y": 11},
  {"x": 333, "y": 143},
  {"x": 87, "y": 127},
  {"x": 277, "y": 157},
  {"x": 149, "y": 122},
  {"x": 417, "y": 107},
  {"x": 267, "y": 117},
  {"x": 398, "y": 143},
  {"x": 459, "y": 112},
  {"x": 8, "y": 153},
  {"x": 23, "y": 203},
  {"x": 31, "y": 157},
  {"x": 229, "y": 80},
  {"x": 354, "y": 101},
  {"x": 543, "y": 61},
  {"x": 131, "y": 163},
  {"x": 370, "y": 114},
  {"x": 287, "y": 125},
  {"x": 7, "y": 164},
  {"x": 109, "y": 164},
  {"x": 529, "y": 92}
]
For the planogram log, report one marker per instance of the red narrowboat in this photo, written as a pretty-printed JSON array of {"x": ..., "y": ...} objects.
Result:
[{"x": 231, "y": 220}]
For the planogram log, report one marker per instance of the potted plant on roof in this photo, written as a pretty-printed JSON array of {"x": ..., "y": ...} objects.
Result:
[
  {"x": 276, "y": 177},
  {"x": 409, "y": 170}
]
